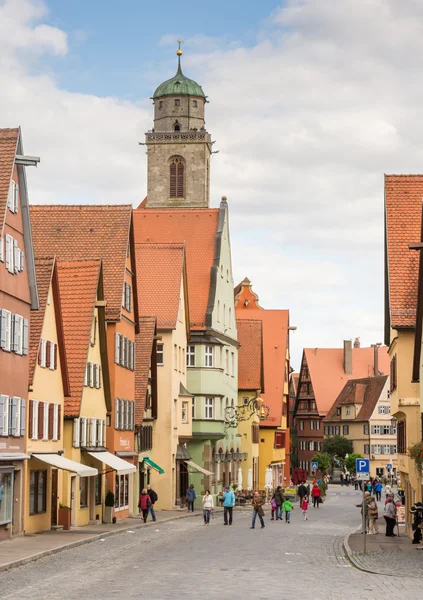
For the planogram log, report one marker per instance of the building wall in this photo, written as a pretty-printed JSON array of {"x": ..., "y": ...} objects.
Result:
[
  {"x": 187, "y": 114},
  {"x": 269, "y": 454},
  {"x": 247, "y": 444}
]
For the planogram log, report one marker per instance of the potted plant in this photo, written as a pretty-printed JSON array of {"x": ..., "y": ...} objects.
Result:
[
  {"x": 416, "y": 453},
  {"x": 65, "y": 516},
  {"x": 109, "y": 504}
]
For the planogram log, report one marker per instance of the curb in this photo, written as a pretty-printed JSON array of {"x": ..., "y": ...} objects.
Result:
[{"x": 34, "y": 557}]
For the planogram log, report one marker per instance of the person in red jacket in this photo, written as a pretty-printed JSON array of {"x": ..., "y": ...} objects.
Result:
[
  {"x": 144, "y": 504},
  {"x": 316, "y": 494}
]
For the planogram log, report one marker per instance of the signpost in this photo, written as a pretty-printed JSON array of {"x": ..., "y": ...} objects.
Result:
[
  {"x": 314, "y": 466},
  {"x": 362, "y": 467}
]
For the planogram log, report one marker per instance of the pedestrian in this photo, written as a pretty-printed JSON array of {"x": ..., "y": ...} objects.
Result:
[
  {"x": 257, "y": 503},
  {"x": 144, "y": 504},
  {"x": 366, "y": 512},
  {"x": 208, "y": 506},
  {"x": 153, "y": 498},
  {"x": 373, "y": 513},
  {"x": 316, "y": 495},
  {"x": 279, "y": 499},
  {"x": 341, "y": 477},
  {"x": 378, "y": 491},
  {"x": 228, "y": 505},
  {"x": 355, "y": 483},
  {"x": 302, "y": 491},
  {"x": 273, "y": 506},
  {"x": 304, "y": 508},
  {"x": 390, "y": 516},
  {"x": 191, "y": 496},
  {"x": 388, "y": 490},
  {"x": 287, "y": 507}
]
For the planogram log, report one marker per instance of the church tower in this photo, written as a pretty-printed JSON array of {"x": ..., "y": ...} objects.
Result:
[{"x": 179, "y": 147}]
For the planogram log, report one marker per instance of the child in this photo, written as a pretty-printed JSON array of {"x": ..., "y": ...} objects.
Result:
[
  {"x": 273, "y": 505},
  {"x": 304, "y": 508},
  {"x": 287, "y": 507}
]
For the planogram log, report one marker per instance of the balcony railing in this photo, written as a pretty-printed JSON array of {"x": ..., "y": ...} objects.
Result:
[{"x": 178, "y": 136}]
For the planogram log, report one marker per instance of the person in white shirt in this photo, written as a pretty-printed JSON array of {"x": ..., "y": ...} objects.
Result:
[{"x": 208, "y": 506}]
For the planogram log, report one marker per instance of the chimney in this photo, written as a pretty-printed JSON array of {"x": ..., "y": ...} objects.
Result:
[
  {"x": 348, "y": 357},
  {"x": 376, "y": 359},
  {"x": 357, "y": 343}
]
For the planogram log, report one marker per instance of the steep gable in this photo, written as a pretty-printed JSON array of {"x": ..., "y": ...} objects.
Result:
[
  {"x": 250, "y": 355},
  {"x": 8, "y": 145}
]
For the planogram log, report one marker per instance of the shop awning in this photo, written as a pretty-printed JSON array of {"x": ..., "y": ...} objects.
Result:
[
  {"x": 153, "y": 465},
  {"x": 198, "y": 468},
  {"x": 114, "y": 462},
  {"x": 60, "y": 462},
  {"x": 8, "y": 456}
]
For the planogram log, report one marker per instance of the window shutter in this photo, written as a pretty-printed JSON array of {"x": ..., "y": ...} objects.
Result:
[
  {"x": 1, "y": 249},
  {"x": 15, "y": 332},
  {"x": 16, "y": 257},
  {"x": 76, "y": 433},
  {"x": 25, "y": 336},
  {"x": 116, "y": 413},
  {"x": 122, "y": 414},
  {"x": 86, "y": 375},
  {"x": 8, "y": 252},
  {"x": 12, "y": 413},
  {"x": 117, "y": 348},
  {"x": 50, "y": 421},
  {"x": 22, "y": 261},
  {"x": 93, "y": 432},
  {"x": 3, "y": 401},
  {"x": 23, "y": 416},
  {"x": 2, "y": 328},
  {"x": 91, "y": 375},
  {"x": 173, "y": 180},
  {"x": 52, "y": 356},
  {"x": 59, "y": 422},
  {"x": 127, "y": 353},
  {"x": 17, "y": 418},
  {"x": 126, "y": 414},
  {"x": 131, "y": 416},
  {"x": 47, "y": 359},
  {"x": 16, "y": 198},
  {"x": 43, "y": 352},
  {"x": 31, "y": 420},
  {"x": 98, "y": 379},
  {"x": 94, "y": 375},
  {"x": 40, "y": 420},
  {"x": 83, "y": 439},
  {"x": 10, "y": 195}
]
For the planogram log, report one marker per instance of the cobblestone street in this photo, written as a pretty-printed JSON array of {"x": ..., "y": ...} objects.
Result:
[{"x": 183, "y": 559}]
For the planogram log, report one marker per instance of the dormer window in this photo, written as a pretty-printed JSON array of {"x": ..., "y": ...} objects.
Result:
[{"x": 177, "y": 102}]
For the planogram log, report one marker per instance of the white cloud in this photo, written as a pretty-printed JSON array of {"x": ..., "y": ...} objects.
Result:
[{"x": 307, "y": 120}]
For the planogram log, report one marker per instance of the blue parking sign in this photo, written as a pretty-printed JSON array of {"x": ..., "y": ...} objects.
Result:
[
  {"x": 362, "y": 465},
  {"x": 314, "y": 465}
]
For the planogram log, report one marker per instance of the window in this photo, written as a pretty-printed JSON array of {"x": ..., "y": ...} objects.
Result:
[
  {"x": 124, "y": 414},
  {"x": 279, "y": 441},
  {"x": 160, "y": 103},
  {"x": 176, "y": 178},
  {"x": 127, "y": 297},
  {"x": 384, "y": 410},
  {"x": 366, "y": 429},
  {"x": 227, "y": 362},
  {"x": 366, "y": 449},
  {"x": 326, "y": 430},
  {"x": 347, "y": 410},
  {"x": 12, "y": 416},
  {"x": 13, "y": 197},
  {"x": 233, "y": 364},
  {"x": 376, "y": 449},
  {"x": 209, "y": 356},
  {"x": 184, "y": 412},
  {"x": 255, "y": 433},
  {"x": 311, "y": 446},
  {"x": 208, "y": 408},
  {"x": 194, "y": 103},
  {"x": 121, "y": 492},
  {"x": 301, "y": 425},
  {"x": 311, "y": 424},
  {"x": 6, "y": 330},
  {"x": 177, "y": 102},
  {"x": 190, "y": 356},
  {"x": 83, "y": 492},
  {"x": 193, "y": 408},
  {"x": 124, "y": 352},
  {"x": 14, "y": 256},
  {"x": 401, "y": 437},
  {"x": 6, "y": 503},
  {"x": 393, "y": 379},
  {"x": 98, "y": 488},
  {"x": 145, "y": 438},
  {"x": 338, "y": 411},
  {"x": 38, "y": 492},
  {"x": 337, "y": 430},
  {"x": 92, "y": 375},
  {"x": 176, "y": 126},
  {"x": 345, "y": 429},
  {"x": 160, "y": 354},
  {"x": 317, "y": 424},
  {"x": 376, "y": 429}
]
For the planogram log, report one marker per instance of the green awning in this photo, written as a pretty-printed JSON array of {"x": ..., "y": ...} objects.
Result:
[{"x": 153, "y": 465}]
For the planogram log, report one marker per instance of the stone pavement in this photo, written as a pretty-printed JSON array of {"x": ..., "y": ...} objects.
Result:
[
  {"x": 385, "y": 555},
  {"x": 24, "y": 549},
  {"x": 184, "y": 560}
]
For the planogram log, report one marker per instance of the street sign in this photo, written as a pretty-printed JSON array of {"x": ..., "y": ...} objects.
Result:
[
  {"x": 389, "y": 466},
  {"x": 363, "y": 476},
  {"x": 314, "y": 465},
  {"x": 362, "y": 465}
]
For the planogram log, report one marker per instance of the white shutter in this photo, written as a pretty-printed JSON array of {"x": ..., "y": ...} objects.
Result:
[
  {"x": 117, "y": 413},
  {"x": 97, "y": 376},
  {"x": 2, "y": 328},
  {"x": 15, "y": 333},
  {"x": 7, "y": 329},
  {"x": 16, "y": 198},
  {"x": 126, "y": 414},
  {"x": 76, "y": 433},
  {"x": 83, "y": 431},
  {"x": 16, "y": 425},
  {"x": 25, "y": 337},
  {"x": 43, "y": 353},
  {"x": 4, "y": 411},
  {"x": 117, "y": 347},
  {"x": 131, "y": 416},
  {"x": 55, "y": 421},
  {"x": 22, "y": 261},
  {"x": 35, "y": 419},
  {"x": 93, "y": 433},
  {"x": 91, "y": 375},
  {"x": 1, "y": 249},
  {"x": 9, "y": 253},
  {"x": 23, "y": 416},
  {"x": 100, "y": 440},
  {"x": 10, "y": 196},
  {"x": 16, "y": 257},
  {"x": 86, "y": 374},
  {"x": 122, "y": 414},
  {"x": 52, "y": 345}
]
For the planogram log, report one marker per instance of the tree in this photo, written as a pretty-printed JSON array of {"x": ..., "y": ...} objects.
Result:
[
  {"x": 338, "y": 446},
  {"x": 323, "y": 461},
  {"x": 350, "y": 461}
]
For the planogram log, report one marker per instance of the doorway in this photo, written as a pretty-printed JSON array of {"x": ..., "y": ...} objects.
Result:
[
  {"x": 54, "y": 479},
  {"x": 183, "y": 481}
]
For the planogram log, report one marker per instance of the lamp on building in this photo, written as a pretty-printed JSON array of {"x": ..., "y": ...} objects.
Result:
[
  {"x": 229, "y": 457},
  {"x": 245, "y": 455},
  {"x": 393, "y": 422},
  {"x": 217, "y": 457}
]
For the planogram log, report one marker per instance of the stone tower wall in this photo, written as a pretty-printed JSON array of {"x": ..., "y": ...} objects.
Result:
[{"x": 189, "y": 116}]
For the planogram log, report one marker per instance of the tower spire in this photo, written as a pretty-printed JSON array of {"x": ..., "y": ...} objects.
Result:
[{"x": 179, "y": 54}]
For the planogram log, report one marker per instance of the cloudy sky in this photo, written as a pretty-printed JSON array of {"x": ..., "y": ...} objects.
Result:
[{"x": 311, "y": 102}]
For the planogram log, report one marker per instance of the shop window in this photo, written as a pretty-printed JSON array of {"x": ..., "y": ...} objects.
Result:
[
  {"x": 98, "y": 486},
  {"x": 121, "y": 492},
  {"x": 6, "y": 497},
  {"x": 83, "y": 492},
  {"x": 37, "y": 492}
]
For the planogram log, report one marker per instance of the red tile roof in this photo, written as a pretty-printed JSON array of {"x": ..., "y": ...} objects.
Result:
[
  {"x": 403, "y": 205},
  {"x": 44, "y": 272},
  {"x": 8, "y": 144},
  {"x": 159, "y": 278},
  {"x": 326, "y": 367},
  {"x": 196, "y": 227},
  {"x": 78, "y": 282},
  {"x": 88, "y": 232},
  {"x": 250, "y": 355},
  {"x": 365, "y": 392},
  {"x": 144, "y": 342},
  {"x": 275, "y": 339}
]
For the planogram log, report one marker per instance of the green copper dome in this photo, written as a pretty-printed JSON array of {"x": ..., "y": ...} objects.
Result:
[{"x": 179, "y": 85}]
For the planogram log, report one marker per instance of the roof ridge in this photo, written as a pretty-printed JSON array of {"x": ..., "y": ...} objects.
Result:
[{"x": 80, "y": 206}]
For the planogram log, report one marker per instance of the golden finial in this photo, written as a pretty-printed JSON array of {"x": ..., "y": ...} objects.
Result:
[{"x": 179, "y": 51}]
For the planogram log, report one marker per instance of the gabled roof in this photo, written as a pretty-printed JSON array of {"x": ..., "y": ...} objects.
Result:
[
  {"x": 78, "y": 282},
  {"x": 294, "y": 383},
  {"x": 326, "y": 368},
  {"x": 144, "y": 341},
  {"x": 275, "y": 339},
  {"x": 8, "y": 145},
  {"x": 87, "y": 232},
  {"x": 403, "y": 214},
  {"x": 363, "y": 392},
  {"x": 197, "y": 228},
  {"x": 160, "y": 271},
  {"x": 250, "y": 355}
]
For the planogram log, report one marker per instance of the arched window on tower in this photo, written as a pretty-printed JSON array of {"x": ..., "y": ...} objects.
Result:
[
  {"x": 176, "y": 126},
  {"x": 177, "y": 178}
]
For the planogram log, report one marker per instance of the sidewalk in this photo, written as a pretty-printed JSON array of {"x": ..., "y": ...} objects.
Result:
[
  {"x": 27, "y": 548},
  {"x": 385, "y": 556}
]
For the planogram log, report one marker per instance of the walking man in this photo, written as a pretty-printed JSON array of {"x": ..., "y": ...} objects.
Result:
[
  {"x": 279, "y": 500},
  {"x": 153, "y": 497},
  {"x": 302, "y": 492},
  {"x": 257, "y": 503},
  {"x": 228, "y": 505}
]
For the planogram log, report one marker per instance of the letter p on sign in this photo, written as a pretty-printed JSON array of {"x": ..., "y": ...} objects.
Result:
[{"x": 362, "y": 465}]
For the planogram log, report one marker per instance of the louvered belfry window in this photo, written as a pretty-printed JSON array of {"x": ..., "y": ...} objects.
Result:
[{"x": 177, "y": 178}]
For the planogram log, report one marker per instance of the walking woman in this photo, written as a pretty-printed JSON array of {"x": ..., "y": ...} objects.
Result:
[
  {"x": 208, "y": 506},
  {"x": 390, "y": 516},
  {"x": 373, "y": 514},
  {"x": 191, "y": 496},
  {"x": 316, "y": 495},
  {"x": 257, "y": 503},
  {"x": 144, "y": 504}
]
